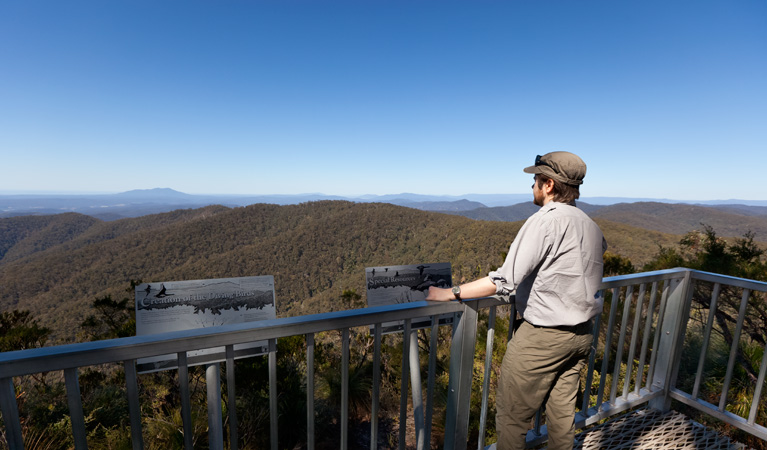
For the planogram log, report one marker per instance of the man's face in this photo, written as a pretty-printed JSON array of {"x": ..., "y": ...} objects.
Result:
[{"x": 538, "y": 195}]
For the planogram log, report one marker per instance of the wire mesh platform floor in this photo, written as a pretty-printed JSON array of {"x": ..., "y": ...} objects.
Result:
[
  {"x": 649, "y": 429},
  {"x": 652, "y": 429}
]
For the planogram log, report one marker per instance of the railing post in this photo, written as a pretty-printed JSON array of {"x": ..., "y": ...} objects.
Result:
[
  {"x": 375, "y": 401},
  {"x": 310, "y": 391},
  {"x": 75, "y": 403},
  {"x": 415, "y": 389},
  {"x": 461, "y": 372},
  {"x": 186, "y": 400},
  {"x": 232, "y": 399},
  {"x": 403, "y": 386},
  {"x": 134, "y": 406},
  {"x": 215, "y": 420},
  {"x": 344, "y": 389},
  {"x": 10, "y": 411},
  {"x": 273, "y": 407},
  {"x": 671, "y": 338}
]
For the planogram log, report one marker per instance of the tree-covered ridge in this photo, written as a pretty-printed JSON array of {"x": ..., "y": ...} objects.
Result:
[
  {"x": 314, "y": 250},
  {"x": 670, "y": 218},
  {"x": 680, "y": 218},
  {"x": 24, "y": 235}
]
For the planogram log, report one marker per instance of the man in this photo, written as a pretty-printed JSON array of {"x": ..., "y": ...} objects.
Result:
[{"x": 554, "y": 268}]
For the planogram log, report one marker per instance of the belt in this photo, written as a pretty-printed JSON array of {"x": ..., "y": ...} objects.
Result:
[{"x": 573, "y": 328}]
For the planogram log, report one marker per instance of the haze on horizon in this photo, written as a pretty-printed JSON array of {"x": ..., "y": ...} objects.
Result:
[{"x": 661, "y": 99}]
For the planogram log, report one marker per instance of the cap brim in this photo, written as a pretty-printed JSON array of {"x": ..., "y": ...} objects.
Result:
[
  {"x": 549, "y": 172},
  {"x": 533, "y": 169}
]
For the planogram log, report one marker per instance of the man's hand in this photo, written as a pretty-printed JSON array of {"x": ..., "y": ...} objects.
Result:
[{"x": 440, "y": 294}]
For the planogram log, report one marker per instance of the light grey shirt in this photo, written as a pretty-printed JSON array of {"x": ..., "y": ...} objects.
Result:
[{"x": 554, "y": 267}]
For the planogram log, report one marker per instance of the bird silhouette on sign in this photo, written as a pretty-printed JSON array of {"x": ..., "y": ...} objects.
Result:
[
  {"x": 427, "y": 282},
  {"x": 163, "y": 292}
]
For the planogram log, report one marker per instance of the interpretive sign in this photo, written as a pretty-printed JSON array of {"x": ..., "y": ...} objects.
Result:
[
  {"x": 390, "y": 285},
  {"x": 184, "y": 305}
]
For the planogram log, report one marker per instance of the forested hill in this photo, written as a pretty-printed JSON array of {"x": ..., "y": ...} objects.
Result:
[
  {"x": 314, "y": 250},
  {"x": 731, "y": 220},
  {"x": 677, "y": 218},
  {"x": 57, "y": 265}
]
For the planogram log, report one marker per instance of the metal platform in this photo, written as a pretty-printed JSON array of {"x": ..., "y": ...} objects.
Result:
[
  {"x": 652, "y": 429},
  {"x": 642, "y": 332}
]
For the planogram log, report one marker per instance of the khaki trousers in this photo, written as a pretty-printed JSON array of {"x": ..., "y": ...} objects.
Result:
[{"x": 541, "y": 365}]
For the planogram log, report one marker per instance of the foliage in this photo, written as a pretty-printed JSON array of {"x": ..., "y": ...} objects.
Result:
[
  {"x": 316, "y": 252},
  {"x": 728, "y": 220},
  {"x": 705, "y": 251},
  {"x": 617, "y": 265},
  {"x": 19, "y": 331},
  {"x": 25, "y": 235},
  {"x": 113, "y": 319},
  {"x": 636, "y": 244}
]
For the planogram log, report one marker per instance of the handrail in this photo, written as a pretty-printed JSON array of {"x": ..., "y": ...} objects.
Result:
[{"x": 24, "y": 362}]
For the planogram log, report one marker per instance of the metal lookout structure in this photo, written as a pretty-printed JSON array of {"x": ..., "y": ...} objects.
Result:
[{"x": 634, "y": 367}]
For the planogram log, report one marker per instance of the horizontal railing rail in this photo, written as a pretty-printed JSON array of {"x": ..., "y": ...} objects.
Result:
[
  {"x": 112, "y": 350},
  {"x": 638, "y": 343}
]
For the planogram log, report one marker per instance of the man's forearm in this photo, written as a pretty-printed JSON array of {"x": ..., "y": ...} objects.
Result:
[{"x": 483, "y": 287}]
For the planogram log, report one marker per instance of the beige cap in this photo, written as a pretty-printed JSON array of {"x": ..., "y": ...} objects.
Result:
[{"x": 564, "y": 167}]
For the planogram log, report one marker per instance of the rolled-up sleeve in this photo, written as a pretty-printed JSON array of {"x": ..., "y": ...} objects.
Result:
[
  {"x": 525, "y": 255},
  {"x": 500, "y": 283}
]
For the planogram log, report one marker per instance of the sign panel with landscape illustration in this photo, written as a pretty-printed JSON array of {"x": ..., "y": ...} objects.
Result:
[
  {"x": 184, "y": 305},
  {"x": 389, "y": 285}
]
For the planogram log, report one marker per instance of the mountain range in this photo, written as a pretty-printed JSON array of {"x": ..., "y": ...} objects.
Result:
[{"x": 142, "y": 202}]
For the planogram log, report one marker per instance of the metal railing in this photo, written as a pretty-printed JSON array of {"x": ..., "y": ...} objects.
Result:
[{"x": 639, "y": 341}]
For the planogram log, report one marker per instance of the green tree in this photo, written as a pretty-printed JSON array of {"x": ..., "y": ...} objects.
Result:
[
  {"x": 704, "y": 250},
  {"x": 617, "y": 265},
  {"x": 19, "y": 331},
  {"x": 350, "y": 299},
  {"x": 113, "y": 318}
]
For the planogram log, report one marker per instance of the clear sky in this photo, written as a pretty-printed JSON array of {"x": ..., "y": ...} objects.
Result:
[{"x": 662, "y": 99}]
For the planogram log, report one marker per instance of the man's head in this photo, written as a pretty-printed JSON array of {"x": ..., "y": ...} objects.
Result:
[{"x": 558, "y": 175}]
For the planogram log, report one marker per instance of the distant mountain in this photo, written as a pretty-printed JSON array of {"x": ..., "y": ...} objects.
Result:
[
  {"x": 674, "y": 218},
  {"x": 485, "y": 199},
  {"x": 136, "y": 203},
  {"x": 681, "y": 218},
  {"x": 746, "y": 210},
  {"x": 615, "y": 200},
  {"x": 459, "y": 205},
  {"x": 142, "y": 202},
  {"x": 520, "y": 211},
  {"x": 157, "y": 194}
]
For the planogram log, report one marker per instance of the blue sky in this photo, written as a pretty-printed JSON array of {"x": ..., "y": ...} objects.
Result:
[{"x": 662, "y": 99}]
